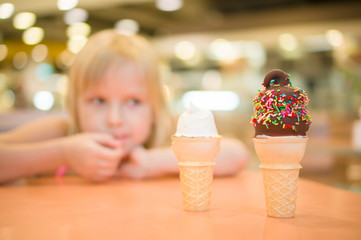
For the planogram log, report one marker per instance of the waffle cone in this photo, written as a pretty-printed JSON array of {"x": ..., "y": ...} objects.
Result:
[
  {"x": 196, "y": 183},
  {"x": 280, "y": 188},
  {"x": 196, "y": 157},
  {"x": 280, "y": 158}
]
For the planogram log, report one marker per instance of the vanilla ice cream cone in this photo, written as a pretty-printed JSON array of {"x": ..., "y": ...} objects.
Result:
[
  {"x": 196, "y": 157},
  {"x": 280, "y": 162}
]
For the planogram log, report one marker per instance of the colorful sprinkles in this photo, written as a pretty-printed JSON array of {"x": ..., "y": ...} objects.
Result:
[{"x": 272, "y": 106}]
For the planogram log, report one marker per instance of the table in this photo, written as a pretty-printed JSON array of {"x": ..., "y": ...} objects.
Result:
[{"x": 73, "y": 208}]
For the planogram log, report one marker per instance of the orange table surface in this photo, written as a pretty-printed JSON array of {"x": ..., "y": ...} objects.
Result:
[{"x": 73, "y": 208}]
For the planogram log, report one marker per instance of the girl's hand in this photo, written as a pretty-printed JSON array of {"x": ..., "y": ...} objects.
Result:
[
  {"x": 140, "y": 165},
  {"x": 93, "y": 155}
]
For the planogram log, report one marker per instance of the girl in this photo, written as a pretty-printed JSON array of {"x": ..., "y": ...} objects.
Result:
[{"x": 119, "y": 123}]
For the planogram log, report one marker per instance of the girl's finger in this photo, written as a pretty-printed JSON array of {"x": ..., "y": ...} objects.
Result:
[
  {"x": 108, "y": 154},
  {"x": 107, "y": 140}
]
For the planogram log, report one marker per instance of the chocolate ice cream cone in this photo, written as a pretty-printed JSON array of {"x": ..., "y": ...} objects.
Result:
[
  {"x": 280, "y": 158},
  {"x": 196, "y": 157}
]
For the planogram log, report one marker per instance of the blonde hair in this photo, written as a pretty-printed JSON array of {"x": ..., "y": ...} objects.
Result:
[{"x": 102, "y": 50}]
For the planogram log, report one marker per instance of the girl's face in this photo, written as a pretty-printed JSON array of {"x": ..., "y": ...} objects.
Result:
[{"x": 119, "y": 105}]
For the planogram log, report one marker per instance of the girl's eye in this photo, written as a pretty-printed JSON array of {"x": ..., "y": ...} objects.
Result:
[
  {"x": 97, "y": 101},
  {"x": 133, "y": 102}
]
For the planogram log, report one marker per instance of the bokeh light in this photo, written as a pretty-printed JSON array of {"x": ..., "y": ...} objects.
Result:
[
  {"x": 33, "y": 35},
  {"x": 8, "y": 99},
  {"x": 78, "y": 29},
  {"x": 6, "y": 10},
  {"x": 334, "y": 37},
  {"x": 221, "y": 49},
  {"x": 20, "y": 60},
  {"x": 43, "y": 100},
  {"x": 39, "y": 53},
  {"x": 185, "y": 50},
  {"x": 169, "y": 5},
  {"x": 3, "y": 51},
  {"x": 127, "y": 26},
  {"x": 75, "y": 44},
  {"x": 287, "y": 42},
  {"x": 64, "y": 59},
  {"x": 66, "y": 4},
  {"x": 24, "y": 20},
  {"x": 75, "y": 15},
  {"x": 44, "y": 71}
]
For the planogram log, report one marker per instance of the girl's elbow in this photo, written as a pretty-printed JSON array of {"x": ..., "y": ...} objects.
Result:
[
  {"x": 243, "y": 161},
  {"x": 231, "y": 167},
  {"x": 240, "y": 163}
]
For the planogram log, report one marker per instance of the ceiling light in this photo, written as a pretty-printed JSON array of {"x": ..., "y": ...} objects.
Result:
[
  {"x": 64, "y": 59},
  {"x": 8, "y": 99},
  {"x": 75, "y": 44},
  {"x": 44, "y": 71},
  {"x": 287, "y": 42},
  {"x": 255, "y": 54},
  {"x": 169, "y": 5},
  {"x": 39, "y": 53},
  {"x": 185, "y": 50},
  {"x": 20, "y": 60},
  {"x": 43, "y": 100},
  {"x": 75, "y": 15},
  {"x": 67, "y": 4},
  {"x": 127, "y": 26},
  {"x": 222, "y": 49},
  {"x": 6, "y": 10},
  {"x": 24, "y": 20},
  {"x": 334, "y": 37},
  {"x": 78, "y": 29},
  {"x": 33, "y": 35}
]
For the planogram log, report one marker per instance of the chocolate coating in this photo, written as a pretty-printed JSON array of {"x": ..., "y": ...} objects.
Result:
[{"x": 280, "y": 108}]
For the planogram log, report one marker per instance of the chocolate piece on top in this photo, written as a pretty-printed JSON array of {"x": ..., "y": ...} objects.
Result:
[{"x": 280, "y": 109}]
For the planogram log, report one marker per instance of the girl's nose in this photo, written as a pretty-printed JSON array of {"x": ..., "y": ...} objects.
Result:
[{"x": 115, "y": 115}]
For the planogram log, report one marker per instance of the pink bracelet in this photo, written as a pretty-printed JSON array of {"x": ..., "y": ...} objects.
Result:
[{"x": 61, "y": 171}]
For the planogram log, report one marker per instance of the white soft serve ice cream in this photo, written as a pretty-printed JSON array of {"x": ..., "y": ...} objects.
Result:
[{"x": 196, "y": 123}]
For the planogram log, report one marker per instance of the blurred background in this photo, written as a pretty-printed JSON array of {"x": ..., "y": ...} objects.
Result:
[{"x": 215, "y": 52}]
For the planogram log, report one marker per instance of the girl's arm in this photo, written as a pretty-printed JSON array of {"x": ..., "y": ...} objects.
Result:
[
  {"x": 24, "y": 159},
  {"x": 26, "y": 150},
  {"x": 143, "y": 163},
  {"x": 232, "y": 158},
  {"x": 43, "y": 146}
]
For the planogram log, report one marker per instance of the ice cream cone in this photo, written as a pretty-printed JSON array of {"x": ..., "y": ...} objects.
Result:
[
  {"x": 196, "y": 157},
  {"x": 280, "y": 158}
]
